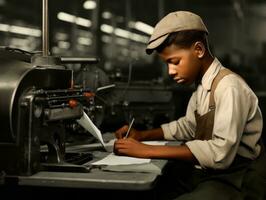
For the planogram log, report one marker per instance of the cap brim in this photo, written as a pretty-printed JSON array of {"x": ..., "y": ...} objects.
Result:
[{"x": 155, "y": 43}]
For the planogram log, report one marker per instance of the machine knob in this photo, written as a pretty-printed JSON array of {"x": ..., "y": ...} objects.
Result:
[{"x": 72, "y": 103}]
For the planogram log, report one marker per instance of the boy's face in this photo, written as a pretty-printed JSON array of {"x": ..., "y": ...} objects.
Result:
[{"x": 183, "y": 63}]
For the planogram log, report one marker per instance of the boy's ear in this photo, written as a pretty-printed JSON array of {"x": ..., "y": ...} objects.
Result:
[{"x": 199, "y": 49}]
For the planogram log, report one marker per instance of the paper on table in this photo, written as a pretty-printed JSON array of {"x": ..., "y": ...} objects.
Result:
[
  {"x": 111, "y": 143},
  {"x": 113, "y": 159},
  {"x": 86, "y": 123}
]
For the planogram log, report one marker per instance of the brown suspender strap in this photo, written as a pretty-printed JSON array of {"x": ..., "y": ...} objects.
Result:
[{"x": 222, "y": 73}]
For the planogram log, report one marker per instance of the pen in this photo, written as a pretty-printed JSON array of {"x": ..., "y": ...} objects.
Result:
[{"x": 128, "y": 130}]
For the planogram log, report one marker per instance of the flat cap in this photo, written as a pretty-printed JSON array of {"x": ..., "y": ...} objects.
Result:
[{"x": 174, "y": 22}]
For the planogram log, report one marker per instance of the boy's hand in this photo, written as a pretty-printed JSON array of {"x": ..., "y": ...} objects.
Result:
[
  {"x": 131, "y": 147},
  {"x": 121, "y": 133}
]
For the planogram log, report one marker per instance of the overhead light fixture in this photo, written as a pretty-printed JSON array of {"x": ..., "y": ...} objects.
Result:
[
  {"x": 20, "y": 30},
  {"x": 139, "y": 38},
  {"x": 106, "y": 15},
  {"x": 124, "y": 33},
  {"x": 84, "y": 41},
  {"x": 83, "y": 22},
  {"x": 89, "y": 5},
  {"x": 4, "y": 27},
  {"x": 141, "y": 26},
  {"x": 25, "y": 31},
  {"x": 73, "y": 19},
  {"x": 107, "y": 28}
]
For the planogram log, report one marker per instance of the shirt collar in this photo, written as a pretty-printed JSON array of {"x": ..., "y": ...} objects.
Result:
[{"x": 210, "y": 74}]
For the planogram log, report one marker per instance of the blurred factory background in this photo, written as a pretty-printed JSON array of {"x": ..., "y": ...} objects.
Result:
[{"x": 117, "y": 32}]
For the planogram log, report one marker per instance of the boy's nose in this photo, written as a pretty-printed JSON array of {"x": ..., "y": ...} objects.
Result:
[{"x": 171, "y": 69}]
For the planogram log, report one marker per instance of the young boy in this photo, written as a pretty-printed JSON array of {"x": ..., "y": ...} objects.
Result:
[{"x": 222, "y": 126}]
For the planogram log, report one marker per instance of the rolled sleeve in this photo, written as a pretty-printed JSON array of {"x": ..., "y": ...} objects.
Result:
[
  {"x": 184, "y": 127},
  {"x": 167, "y": 131}
]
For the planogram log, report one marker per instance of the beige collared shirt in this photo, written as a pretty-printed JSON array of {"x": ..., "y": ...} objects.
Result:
[{"x": 237, "y": 122}]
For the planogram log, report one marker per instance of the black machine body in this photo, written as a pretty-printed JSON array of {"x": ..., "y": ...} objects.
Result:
[{"x": 37, "y": 103}]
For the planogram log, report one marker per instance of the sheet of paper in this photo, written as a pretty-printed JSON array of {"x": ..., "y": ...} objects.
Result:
[
  {"x": 86, "y": 123},
  {"x": 112, "y": 159}
]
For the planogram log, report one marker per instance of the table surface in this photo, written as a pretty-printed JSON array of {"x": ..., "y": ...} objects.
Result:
[{"x": 96, "y": 178}]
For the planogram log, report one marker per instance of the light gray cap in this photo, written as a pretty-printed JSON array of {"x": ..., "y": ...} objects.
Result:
[{"x": 174, "y": 22}]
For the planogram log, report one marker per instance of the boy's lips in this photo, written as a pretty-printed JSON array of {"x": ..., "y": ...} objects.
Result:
[{"x": 179, "y": 79}]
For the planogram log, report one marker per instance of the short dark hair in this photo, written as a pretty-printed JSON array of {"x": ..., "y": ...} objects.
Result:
[{"x": 184, "y": 39}]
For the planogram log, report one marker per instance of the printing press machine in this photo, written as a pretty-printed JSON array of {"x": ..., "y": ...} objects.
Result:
[{"x": 38, "y": 106}]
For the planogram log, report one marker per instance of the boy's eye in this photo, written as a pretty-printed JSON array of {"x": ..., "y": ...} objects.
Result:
[{"x": 175, "y": 63}]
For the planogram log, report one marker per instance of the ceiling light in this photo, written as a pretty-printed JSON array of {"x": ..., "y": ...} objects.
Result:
[
  {"x": 73, "y": 19},
  {"x": 141, "y": 26},
  {"x": 25, "y": 31},
  {"x": 4, "y": 27},
  {"x": 106, "y": 15},
  {"x": 107, "y": 28},
  {"x": 84, "y": 41},
  {"x": 89, "y": 5},
  {"x": 20, "y": 30},
  {"x": 124, "y": 33}
]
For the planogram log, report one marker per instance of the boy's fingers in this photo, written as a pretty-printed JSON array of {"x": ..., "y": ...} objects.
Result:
[{"x": 120, "y": 132}]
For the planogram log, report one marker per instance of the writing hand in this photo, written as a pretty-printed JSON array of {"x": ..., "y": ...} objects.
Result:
[{"x": 131, "y": 147}]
